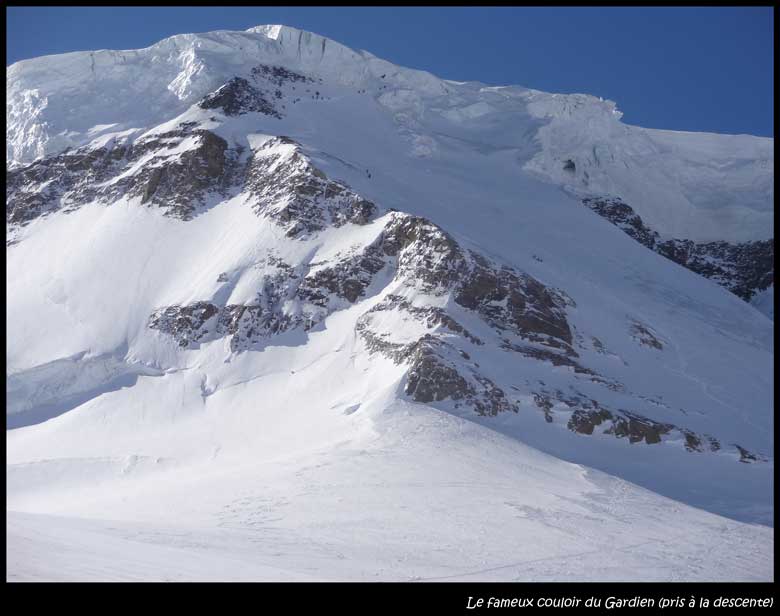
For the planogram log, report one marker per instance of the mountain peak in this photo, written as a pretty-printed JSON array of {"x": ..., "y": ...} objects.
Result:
[
  {"x": 266, "y": 291},
  {"x": 279, "y": 31},
  {"x": 61, "y": 101}
]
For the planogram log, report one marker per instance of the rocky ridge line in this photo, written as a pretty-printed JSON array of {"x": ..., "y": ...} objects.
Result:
[
  {"x": 521, "y": 314},
  {"x": 434, "y": 280},
  {"x": 744, "y": 268}
]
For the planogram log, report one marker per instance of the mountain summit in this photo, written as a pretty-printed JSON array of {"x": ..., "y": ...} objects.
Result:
[{"x": 326, "y": 317}]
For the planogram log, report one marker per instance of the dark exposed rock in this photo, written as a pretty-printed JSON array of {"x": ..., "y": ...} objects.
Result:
[
  {"x": 642, "y": 334},
  {"x": 540, "y": 354},
  {"x": 638, "y": 428},
  {"x": 428, "y": 257},
  {"x": 238, "y": 97},
  {"x": 186, "y": 324},
  {"x": 203, "y": 322},
  {"x": 432, "y": 316},
  {"x": 180, "y": 184},
  {"x": 244, "y": 324},
  {"x": 177, "y": 182},
  {"x": 588, "y": 414},
  {"x": 696, "y": 442},
  {"x": 748, "y": 457},
  {"x": 287, "y": 188},
  {"x": 346, "y": 278},
  {"x": 526, "y": 316},
  {"x": 623, "y": 216},
  {"x": 492, "y": 400},
  {"x": 248, "y": 324},
  {"x": 278, "y": 76},
  {"x": 544, "y": 403},
  {"x": 515, "y": 301},
  {"x": 506, "y": 298},
  {"x": 66, "y": 180},
  {"x": 743, "y": 268},
  {"x": 585, "y": 420},
  {"x": 432, "y": 377},
  {"x": 431, "y": 260},
  {"x": 379, "y": 343}
]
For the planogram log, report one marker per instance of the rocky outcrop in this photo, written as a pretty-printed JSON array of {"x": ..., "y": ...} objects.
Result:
[
  {"x": 66, "y": 180},
  {"x": 201, "y": 322},
  {"x": 175, "y": 171},
  {"x": 444, "y": 286},
  {"x": 277, "y": 307},
  {"x": 742, "y": 268},
  {"x": 186, "y": 324},
  {"x": 748, "y": 457},
  {"x": 510, "y": 303},
  {"x": 434, "y": 377},
  {"x": 622, "y": 424},
  {"x": 180, "y": 184},
  {"x": 347, "y": 278},
  {"x": 278, "y": 76},
  {"x": 437, "y": 371},
  {"x": 431, "y": 316},
  {"x": 238, "y": 97},
  {"x": 625, "y": 218},
  {"x": 429, "y": 259},
  {"x": 263, "y": 91},
  {"x": 516, "y": 302},
  {"x": 458, "y": 300},
  {"x": 586, "y": 416},
  {"x": 642, "y": 334},
  {"x": 285, "y": 186}
]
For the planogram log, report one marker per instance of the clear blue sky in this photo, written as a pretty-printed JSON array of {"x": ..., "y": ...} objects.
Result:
[{"x": 699, "y": 69}]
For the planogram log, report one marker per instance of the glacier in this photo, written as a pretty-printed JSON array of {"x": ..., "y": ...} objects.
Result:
[{"x": 281, "y": 310}]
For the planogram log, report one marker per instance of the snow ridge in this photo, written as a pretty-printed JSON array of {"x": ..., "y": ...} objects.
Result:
[{"x": 258, "y": 275}]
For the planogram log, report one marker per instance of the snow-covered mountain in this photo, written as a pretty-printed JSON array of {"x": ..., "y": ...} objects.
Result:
[{"x": 278, "y": 309}]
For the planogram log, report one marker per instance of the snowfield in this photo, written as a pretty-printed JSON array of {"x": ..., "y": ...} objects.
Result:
[
  {"x": 343, "y": 320},
  {"x": 418, "y": 500}
]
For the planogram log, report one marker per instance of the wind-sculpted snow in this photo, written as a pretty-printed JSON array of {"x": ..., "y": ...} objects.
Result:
[
  {"x": 64, "y": 379},
  {"x": 276, "y": 289},
  {"x": 745, "y": 268},
  {"x": 697, "y": 186}
]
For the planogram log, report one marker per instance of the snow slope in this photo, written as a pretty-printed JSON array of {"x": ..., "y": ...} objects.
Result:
[
  {"x": 698, "y": 186},
  {"x": 765, "y": 302},
  {"x": 212, "y": 369}
]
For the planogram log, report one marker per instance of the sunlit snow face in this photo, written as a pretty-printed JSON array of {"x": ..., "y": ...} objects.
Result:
[{"x": 394, "y": 321}]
